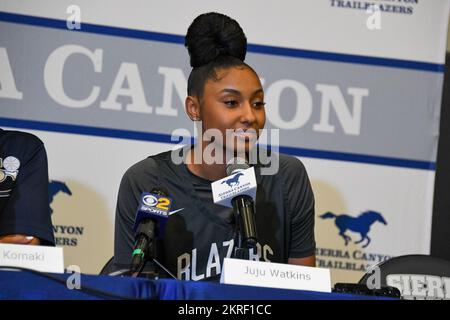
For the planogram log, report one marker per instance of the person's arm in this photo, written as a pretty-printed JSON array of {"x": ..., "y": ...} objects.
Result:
[
  {"x": 27, "y": 212},
  {"x": 136, "y": 179},
  {"x": 307, "y": 261},
  {"x": 299, "y": 199},
  {"x": 127, "y": 203},
  {"x": 20, "y": 239}
]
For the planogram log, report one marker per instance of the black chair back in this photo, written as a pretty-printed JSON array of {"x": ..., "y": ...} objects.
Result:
[{"x": 416, "y": 276}]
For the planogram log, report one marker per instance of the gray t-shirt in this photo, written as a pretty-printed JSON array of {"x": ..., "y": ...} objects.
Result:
[{"x": 199, "y": 236}]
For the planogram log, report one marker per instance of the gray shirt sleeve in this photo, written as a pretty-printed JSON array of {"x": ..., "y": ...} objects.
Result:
[
  {"x": 299, "y": 200},
  {"x": 137, "y": 179}
]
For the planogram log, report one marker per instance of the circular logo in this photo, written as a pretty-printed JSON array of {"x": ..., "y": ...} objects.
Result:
[
  {"x": 11, "y": 163},
  {"x": 150, "y": 200}
]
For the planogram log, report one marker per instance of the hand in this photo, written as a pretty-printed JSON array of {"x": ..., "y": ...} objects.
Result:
[{"x": 19, "y": 239}]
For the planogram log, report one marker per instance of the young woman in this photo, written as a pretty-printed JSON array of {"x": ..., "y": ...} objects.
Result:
[{"x": 226, "y": 96}]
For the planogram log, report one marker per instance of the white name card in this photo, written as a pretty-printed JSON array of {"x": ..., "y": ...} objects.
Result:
[
  {"x": 275, "y": 275},
  {"x": 39, "y": 258}
]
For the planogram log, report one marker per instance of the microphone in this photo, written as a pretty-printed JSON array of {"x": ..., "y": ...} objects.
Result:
[
  {"x": 238, "y": 190},
  {"x": 150, "y": 223},
  {"x": 244, "y": 207}
]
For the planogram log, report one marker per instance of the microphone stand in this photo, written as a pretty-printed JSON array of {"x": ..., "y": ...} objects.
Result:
[
  {"x": 153, "y": 272},
  {"x": 243, "y": 245},
  {"x": 242, "y": 248}
]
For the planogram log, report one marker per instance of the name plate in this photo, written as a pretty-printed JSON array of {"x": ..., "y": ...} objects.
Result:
[
  {"x": 39, "y": 258},
  {"x": 275, "y": 275}
]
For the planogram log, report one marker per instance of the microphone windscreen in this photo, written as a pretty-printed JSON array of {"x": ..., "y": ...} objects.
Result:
[
  {"x": 236, "y": 164},
  {"x": 161, "y": 191}
]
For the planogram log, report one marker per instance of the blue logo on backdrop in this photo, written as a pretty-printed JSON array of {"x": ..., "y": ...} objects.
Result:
[
  {"x": 360, "y": 224},
  {"x": 54, "y": 187},
  {"x": 234, "y": 181},
  {"x": 65, "y": 235}
]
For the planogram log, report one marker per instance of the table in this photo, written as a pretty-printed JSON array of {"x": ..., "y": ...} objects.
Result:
[{"x": 23, "y": 285}]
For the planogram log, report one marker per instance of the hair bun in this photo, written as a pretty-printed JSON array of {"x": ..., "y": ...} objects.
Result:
[{"x": 212, "y": 35}]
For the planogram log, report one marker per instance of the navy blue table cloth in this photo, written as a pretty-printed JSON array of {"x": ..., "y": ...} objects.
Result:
[{"x": 33, "y": 286}]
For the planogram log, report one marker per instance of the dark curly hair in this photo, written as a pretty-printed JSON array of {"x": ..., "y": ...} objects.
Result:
[{"x": 214, "y": 41}]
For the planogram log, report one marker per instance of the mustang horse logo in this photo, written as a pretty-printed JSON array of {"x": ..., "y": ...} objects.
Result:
[
  {"x": 54, "y": 187},
  {"x": 234, "y": 181},
  {"x": 360, "y": 224}
]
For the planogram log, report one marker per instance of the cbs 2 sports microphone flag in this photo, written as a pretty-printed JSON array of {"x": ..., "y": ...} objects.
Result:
[{"x": 355, "y": 92}]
